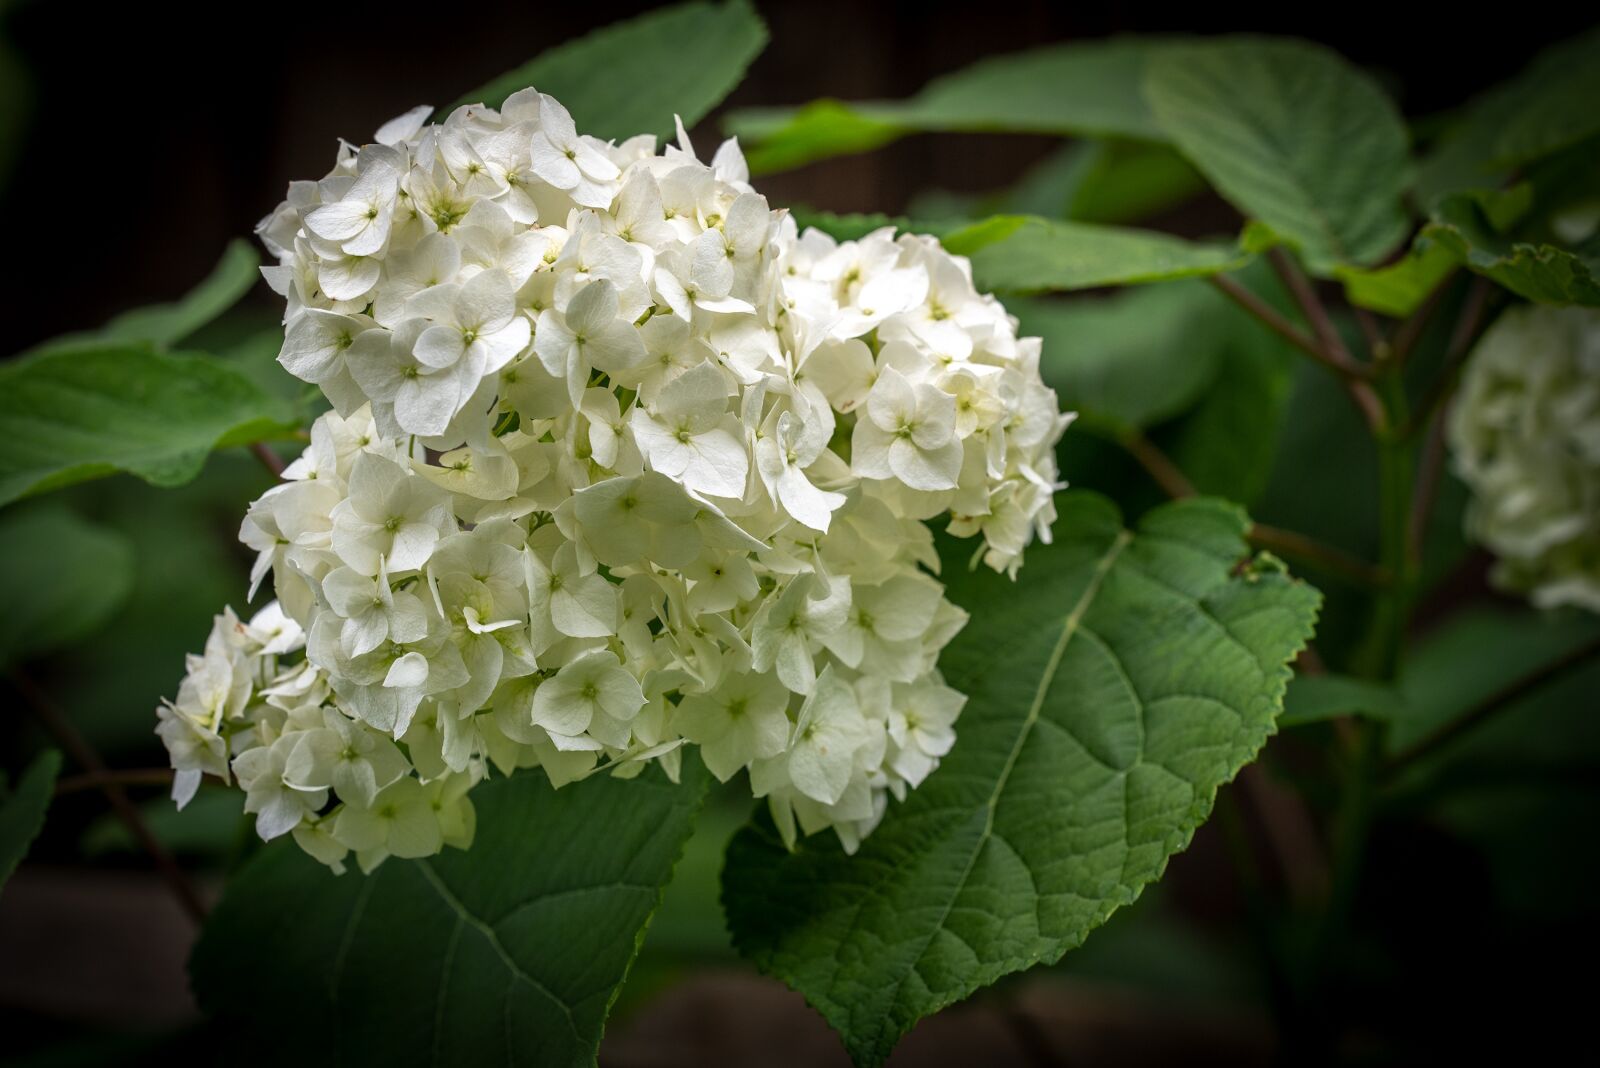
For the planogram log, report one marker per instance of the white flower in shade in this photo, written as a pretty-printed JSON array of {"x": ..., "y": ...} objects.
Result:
[
  {"x": 591, "y": 690},
  {"x": 743, "y": 720},
  {"x": 1525, "y": 434},
  {"x": 390, "y": 519},
  {"x": 689, "y": 435},
  {"x": 588, "y": 336},
  {"x": 908, "y": 434},
  {"x": 621, "y": 462},
  {"x": 279, "y": 807}
]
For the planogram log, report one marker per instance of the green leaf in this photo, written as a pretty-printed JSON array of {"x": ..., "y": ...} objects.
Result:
[
  {"x": 1539, "y": 272},
  {"x": 1547, "y": 107},
  {"x": 1131, "y": 360},
  {"x": 1227, "y": 444},
  {"x": 1127, "y": 181},
  {"x": 1110, "y": 694},
  {"x": 64, "y": 579},
  {"x": 22, "y": 811},
  {"x": 1399, "y": 288},
  {"x": 510, "y": 952},
  {"x": 164, "y": 325},
  {"x": 81, "y": 412},
  {"x": 1082, "y": 89},
  {"x": 1024, "y": 254},
  {"x": 1086, "y": 181},
  {"x": 630, "y": 78},
  {"x": 1292, "y": 135},
  {"x": 1316, "y": 698},
  {"x": 1475, "y": 655}
]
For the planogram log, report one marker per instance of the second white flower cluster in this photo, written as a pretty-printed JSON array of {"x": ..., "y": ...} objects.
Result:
[{"x": 618, "y": 460}]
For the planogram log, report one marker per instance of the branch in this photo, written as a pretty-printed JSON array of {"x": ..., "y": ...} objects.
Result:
[
  {"x": 1466, "y": 331},
  {"x": 1309, "y": 550},
  {"x": 1158, "y": 465},
  {"x": 78, "y": 747},
  {"x": 1331, "y": 349},
  {"x": 1269, "y": 316},
  {"x": 1498, "y": 701},
  {"x": 1350, "y": 373},
  {"x": 93, "y": 780},
  {"x": 1166, "y": 474},
  {"x": 268, "y": 458},
  {"x": 1410, "y": 332}
]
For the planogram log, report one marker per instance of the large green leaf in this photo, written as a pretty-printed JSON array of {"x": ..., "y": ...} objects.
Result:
[
  {"x": 510, "y": 952},
  {"x": 1110, "y": 694},
  {"x": 165, "y": 325},
  {"x": 84, "y": 411},
  {"x": 1088, "y": 88},
  {"x": 1544, "y": 109},
  {"x": 22, "y": 810},
  {"x": 1024, "y": 254},
  {"x": 1292, "y": 135},
  {"x": 64, "y": 578},
  {"x": 1539, "y": 272},
  {"x": 631, "y": 78}
]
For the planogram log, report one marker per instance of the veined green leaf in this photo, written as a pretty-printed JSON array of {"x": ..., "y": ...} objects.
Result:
[
  {"x": 79, "y": 412},
  {"x": 22, "y": 811},
  {"x": 510, "y": 952},
  {"x": 1539, "y": 272},
  {"x": 1081, "y": 89},
  {"x": 632, "y": 77},
  {"x": 64, "y": 578},
  {"x": 1292, "y": 135},
  {"x": 1110, "y": 695},
  {"x": 164, "y": 325}
]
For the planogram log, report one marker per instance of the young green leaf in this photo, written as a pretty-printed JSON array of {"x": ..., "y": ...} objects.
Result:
[
  {"x": 1082, "y": 89},
  {"x": 22, "y": 811},
  {"x": 1292, "y": 135},
  {"x": 165, "y": 325},
  {"x": 84, "y": 411},
  {"x": 632, "y": 77},
  {"x": 64, "y": 578},
  {"x": 1399, "y": 288},
  {"x": 1110, "y": 695},
  {"x": 513, "y": 950},
  {"x": 1539, "y": 272}
]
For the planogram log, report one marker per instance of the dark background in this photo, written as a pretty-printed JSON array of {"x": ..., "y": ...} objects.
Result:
[
  {"x": 159, "y": 131},
  {"x": 156, "y": 133}
]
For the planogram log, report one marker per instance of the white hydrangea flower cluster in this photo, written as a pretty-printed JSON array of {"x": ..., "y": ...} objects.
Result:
[
  {"x": 617, "y": 460},
  {"x": 1525, "y": 434}
]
